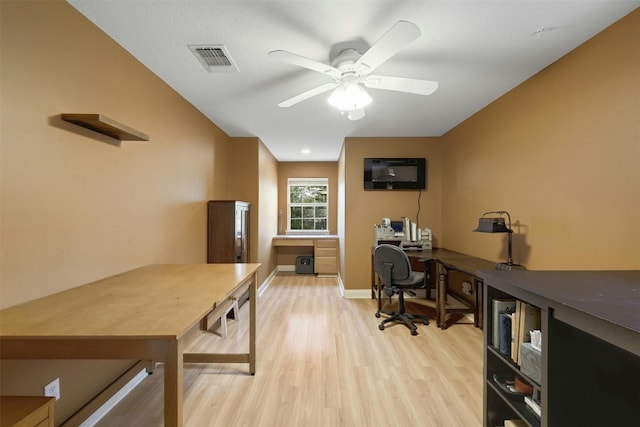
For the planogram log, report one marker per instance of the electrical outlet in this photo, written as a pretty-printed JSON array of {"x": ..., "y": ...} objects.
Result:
[{"x": 53, "y": 389}]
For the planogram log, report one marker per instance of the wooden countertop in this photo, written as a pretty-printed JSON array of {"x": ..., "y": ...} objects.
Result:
[{"x": 613, "y": 296}]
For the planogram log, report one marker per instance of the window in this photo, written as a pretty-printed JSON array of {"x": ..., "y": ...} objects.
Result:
[{"x": 308, "y": 205}]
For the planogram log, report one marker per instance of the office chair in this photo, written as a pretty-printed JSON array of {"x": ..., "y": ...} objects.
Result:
[{"x": 394, "y": 269}]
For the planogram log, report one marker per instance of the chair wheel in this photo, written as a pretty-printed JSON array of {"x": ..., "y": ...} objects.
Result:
[
  {"x": 377, "y": 314},
  {"x": 425, "y": 322},
  {"x": 414, "y": 332},
  {"x": 381, "y": 327}
]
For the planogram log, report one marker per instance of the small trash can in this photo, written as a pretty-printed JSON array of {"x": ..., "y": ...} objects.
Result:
[{"x": 304, "y": 264}]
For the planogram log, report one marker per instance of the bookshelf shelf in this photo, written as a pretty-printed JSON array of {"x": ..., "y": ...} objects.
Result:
[
  {"x": 106, "y": 126},
  {"x": 517, "y": 405},
  {"x": 590, "y": 348}
]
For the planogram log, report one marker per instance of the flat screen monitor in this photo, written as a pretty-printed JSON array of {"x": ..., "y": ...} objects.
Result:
[{"x": 395, "y": 173}]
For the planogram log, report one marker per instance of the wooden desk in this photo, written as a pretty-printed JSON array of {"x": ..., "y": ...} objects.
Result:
[
  {"x": 454, "y": 261},
  {"x": 447, "y": 261},
  {"x": 150, "y": 313},
  {"x": 26, "y": 411},
  {"x": 325, "y": 250}
]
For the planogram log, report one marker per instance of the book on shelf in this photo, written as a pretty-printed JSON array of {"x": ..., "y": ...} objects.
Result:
[
  {"x": 526, "y": 318},
  {"x": 515, "y": 331},
  {"x": 500, "y": 306},
  {"x": 505, "y": 334}
]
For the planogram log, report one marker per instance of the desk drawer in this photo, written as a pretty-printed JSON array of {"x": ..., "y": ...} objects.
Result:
[
  {"x": 326, "y": 265},
  {"x": 292, "y": 242},
  {"x": 326, "y": 252},
  {"x": 326, "y": 243}
]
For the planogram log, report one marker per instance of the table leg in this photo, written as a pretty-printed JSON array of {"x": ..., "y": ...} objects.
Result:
[
  {"x": 479, "y": 315},
  {"x": 376, "y": 285},
  {"x": 173, "y": 385},
  {"x": 441, "y": 303},
  {"x": 253, "y": 305}
]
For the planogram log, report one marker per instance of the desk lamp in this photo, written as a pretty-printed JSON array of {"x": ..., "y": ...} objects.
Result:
[{"x": 496, "y": 225}]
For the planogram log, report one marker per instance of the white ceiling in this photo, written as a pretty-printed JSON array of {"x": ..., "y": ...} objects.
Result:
[{"x": 476, "y": 49}]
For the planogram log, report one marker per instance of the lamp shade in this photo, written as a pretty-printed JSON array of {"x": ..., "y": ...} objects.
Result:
[
  {"x": 492, "y": 225},
  {"x": 349, "y": 96}
]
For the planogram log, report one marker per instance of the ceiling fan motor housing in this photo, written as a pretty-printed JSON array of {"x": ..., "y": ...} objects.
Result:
[{"x": 346, "y": 59}]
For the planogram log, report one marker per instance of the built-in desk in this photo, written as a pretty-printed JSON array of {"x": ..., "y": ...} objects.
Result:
[
  {"x": 325, "y": 250},
  {"x": 438, "y": 265}
]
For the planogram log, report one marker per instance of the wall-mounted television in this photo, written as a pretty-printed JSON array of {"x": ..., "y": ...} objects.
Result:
[{"x": 395, "y": 173}]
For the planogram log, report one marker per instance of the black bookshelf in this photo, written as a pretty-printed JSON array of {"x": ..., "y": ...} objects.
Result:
[{"x": 590, "y": 323}]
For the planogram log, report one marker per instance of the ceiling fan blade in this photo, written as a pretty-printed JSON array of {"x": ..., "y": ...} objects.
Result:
[
  {"x": 308, "y": 94},
  {"x": 400, "y": 35},
  {"x": 402, "y": 84},
  {"x": 301, "y": 61}
]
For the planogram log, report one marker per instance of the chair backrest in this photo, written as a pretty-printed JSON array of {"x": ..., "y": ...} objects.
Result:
[{"x": 399, "y": 261}]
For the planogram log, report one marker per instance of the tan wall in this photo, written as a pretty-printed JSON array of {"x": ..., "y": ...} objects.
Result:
[
  {"x": 268, "y": 203},
  {"x": 365, "y": 208},
  {"x": 342, "y": 215},
  {"x": 75, "y": 207},
  {"x": 286, "y": 170},
  {"x": 253, "y": 178},
  {"x": 561, "y": 153},
  {"x": 243, "y": 182}
]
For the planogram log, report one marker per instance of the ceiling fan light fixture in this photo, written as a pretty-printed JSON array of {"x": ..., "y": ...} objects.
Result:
[
  {"x": 355, "y": 115},
  {"x": 349, "y": 96}
]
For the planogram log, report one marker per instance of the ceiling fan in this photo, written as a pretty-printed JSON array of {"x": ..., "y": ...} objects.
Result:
[{"x": 350, "y": 69}]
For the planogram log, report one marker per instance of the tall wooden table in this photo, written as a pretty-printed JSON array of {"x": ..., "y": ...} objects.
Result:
[{"x": 150, "y": 313}]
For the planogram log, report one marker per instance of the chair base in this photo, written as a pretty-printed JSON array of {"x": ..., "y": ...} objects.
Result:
[{"x": 406, "y": 318}]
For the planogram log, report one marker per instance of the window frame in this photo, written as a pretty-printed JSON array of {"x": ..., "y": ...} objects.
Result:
[{"x": 306, "y": 181}]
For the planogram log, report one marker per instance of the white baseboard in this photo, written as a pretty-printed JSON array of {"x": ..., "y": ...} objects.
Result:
[
  {"x": 113, "y": 401},
  {"x": 265, "y": 285},
  {"x": 357, "y": 293}
]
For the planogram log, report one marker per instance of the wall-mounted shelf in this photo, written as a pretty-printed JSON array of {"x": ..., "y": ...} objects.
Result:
[{"x": 106, "y": 126}]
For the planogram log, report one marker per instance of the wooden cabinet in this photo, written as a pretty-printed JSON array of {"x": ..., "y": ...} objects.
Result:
[
  {"x": 590, "y": 357},
  {"x": 26, "y": 411},
  {"x": 326, "y": 256},
  {"x": 228, "y": 231}
]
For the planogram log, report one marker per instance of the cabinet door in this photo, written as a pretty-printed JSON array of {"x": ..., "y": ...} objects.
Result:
[
  {"x": 228, "y": 231},
  {"x": 242, "y": 233}
]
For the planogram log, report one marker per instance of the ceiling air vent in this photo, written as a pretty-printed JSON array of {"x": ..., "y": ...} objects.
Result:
[{"x": 214, "y": 58}]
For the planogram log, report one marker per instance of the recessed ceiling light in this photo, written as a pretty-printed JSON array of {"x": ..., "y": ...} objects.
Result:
[{"x": 305, "y": 151}]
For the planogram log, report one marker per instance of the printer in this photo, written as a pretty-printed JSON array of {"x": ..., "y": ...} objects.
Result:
[{"x": 404, "y": 233}]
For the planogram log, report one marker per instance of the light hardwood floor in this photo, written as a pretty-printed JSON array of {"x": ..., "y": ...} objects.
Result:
[{"x": 321, "y": 361}]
